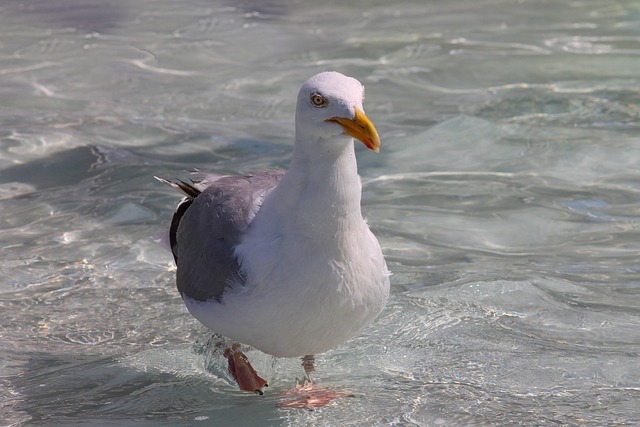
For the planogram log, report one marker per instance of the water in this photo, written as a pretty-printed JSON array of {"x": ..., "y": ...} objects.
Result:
[{"x": 506, "y": 198}]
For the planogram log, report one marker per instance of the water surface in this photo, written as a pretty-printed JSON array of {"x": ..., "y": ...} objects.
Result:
[{"x": 506, "y": 198}]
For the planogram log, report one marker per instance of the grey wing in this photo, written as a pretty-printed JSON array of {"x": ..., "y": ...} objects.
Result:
[{"x": 206, "y": 226}]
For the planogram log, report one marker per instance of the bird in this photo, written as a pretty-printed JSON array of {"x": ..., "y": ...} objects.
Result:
[{"x": 283, "y": 261}]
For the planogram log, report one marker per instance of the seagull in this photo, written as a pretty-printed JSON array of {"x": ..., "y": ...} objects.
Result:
[{"x": 283, "y": 261}]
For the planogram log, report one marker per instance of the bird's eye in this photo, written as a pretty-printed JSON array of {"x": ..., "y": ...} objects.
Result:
[{"x": 318, "y": 100}]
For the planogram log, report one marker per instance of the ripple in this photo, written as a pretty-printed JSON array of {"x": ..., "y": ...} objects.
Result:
[
  {"x": 140, "y": 63},
  {"x": 462, "y": 45},
  {"x": 91, "y": 337},
  {"x": 601, "y": 45},
  {"x": 587, "y": 107},
  {"x": 26, "y": 68}
]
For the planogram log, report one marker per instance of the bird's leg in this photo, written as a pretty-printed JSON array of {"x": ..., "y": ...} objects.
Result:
[
  {"x": 242, "y": 371},
  {"x": 308, "y": 363}
]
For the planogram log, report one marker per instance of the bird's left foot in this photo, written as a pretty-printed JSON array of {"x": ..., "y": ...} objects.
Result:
[
  {"x": 307, "y": 396},
  {"x": 242, "y": 371}
]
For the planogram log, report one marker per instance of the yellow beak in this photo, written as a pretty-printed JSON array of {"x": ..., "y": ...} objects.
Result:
[{"x": 361, "y": 128}]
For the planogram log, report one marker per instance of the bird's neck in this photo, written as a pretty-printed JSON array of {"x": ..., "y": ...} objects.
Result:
[{"x": 321, "y": 189}]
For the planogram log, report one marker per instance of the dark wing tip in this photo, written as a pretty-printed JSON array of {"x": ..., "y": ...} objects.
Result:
[{"x": 187, "y": 188}]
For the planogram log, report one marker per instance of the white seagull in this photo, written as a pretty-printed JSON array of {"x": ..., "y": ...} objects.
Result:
[{"x": 283, "y": 261}]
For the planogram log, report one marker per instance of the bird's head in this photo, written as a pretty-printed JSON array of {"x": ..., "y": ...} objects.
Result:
[{"x": 330, "y": 106}]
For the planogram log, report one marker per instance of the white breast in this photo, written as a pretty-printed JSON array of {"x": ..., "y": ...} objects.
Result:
[{"x": 301, "y": 296}]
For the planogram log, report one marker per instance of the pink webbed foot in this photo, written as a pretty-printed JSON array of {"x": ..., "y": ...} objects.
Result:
[
  {"x": 242, "y": 371},
  {"x": 307, "y": 396}
]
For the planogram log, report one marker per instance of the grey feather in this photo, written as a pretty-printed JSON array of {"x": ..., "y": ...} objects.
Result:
[{"x": 208, "y": 223}]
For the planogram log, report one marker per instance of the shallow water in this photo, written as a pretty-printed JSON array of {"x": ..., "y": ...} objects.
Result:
[{"x": 506, "y": 198}]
